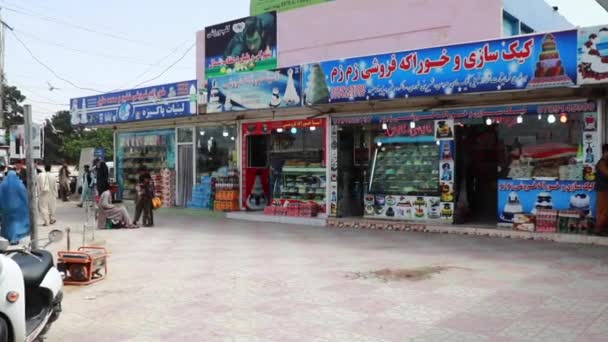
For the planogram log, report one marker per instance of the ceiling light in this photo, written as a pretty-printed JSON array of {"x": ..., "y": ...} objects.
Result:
[
  {"x": 279, "y": 130},
  {"x": 489, "y": 121},
  {"x": 563, "y": 118},
  {"x": 313, "y": 128},
  {"x": 379, "y": 143},
  {"x": 412, "y": 124},
  {"x": 551, "y": 119},
  {"x": 520, "y": 119},
  {"x": 384, "y": 126}
]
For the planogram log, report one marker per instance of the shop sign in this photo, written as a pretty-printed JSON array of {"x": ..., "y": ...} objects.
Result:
[
  {"x": 499, "y": 111},
  {"x": 592, "y": 55},
  {"x": 260, "y": 128},
  {"x": 279, "y": 88},
  {"x": 165, "y": 101},
  {"x": 241, "y": 45},
  {"x": 528, "y": 196},
  {"x": 17, "y": 141},
  {"x": 262, "y": 6},
  {"x": 527, "y": 62}
]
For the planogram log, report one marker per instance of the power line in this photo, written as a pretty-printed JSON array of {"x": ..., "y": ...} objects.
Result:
[
  {"x": 173, "y": 51},
  {"x": 46, "y": 66},
  {"x": 90, "y": 53},
  {"x": 168, "y": 68},
  {"x": 30, "y": 13}
]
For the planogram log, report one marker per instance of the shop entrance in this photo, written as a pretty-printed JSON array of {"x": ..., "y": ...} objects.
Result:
[
  {"x": 353, "y": 165},
  {"x": 477, "y": 166}
]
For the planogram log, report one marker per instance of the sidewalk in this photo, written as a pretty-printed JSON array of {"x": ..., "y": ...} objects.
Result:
[{"x": 196, "y": 278}]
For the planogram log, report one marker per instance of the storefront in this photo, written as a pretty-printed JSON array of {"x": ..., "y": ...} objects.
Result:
[
  {"x": 507, "y": 164},
  {"x": 283, "y": 165}
]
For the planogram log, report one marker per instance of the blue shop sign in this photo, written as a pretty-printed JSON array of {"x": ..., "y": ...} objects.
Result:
[
  {"x": 165, "y": 101},
  {"x": 507, "y": 64}
]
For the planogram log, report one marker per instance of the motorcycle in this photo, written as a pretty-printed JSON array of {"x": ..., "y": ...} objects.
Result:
[{"x": 31, "y": 290}]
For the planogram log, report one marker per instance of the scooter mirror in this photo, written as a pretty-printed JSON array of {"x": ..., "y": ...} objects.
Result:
[{"x": 55, "y": 235}]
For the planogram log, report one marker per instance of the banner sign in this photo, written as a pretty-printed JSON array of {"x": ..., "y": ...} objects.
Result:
[
  {"x": 593, "y": 55},
  {"x": 17, "y": 141},
  {"x": 159, "y": 102},
  {"x": 528, "y": 62},
  {"x": 241, "y": 45},
  {"x": 527, "y": 196},
  {"x": 498, "y": 111},
  {"x": 263, "y": 6},
  {"x": 278, "y": 88}
]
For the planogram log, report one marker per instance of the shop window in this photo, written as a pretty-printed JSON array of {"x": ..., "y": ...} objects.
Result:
[
  {"x": 215, "y": 150},
  {"x": 539, "y": 149},
  {"x": 185, "y": 135},
  {"x": 154, "y": 150},
  {"x": 510, "y": 25},
  {"x": 525, "y": 29}
]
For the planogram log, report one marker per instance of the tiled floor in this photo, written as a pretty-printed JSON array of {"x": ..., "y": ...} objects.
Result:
[{"x": 194, "y": 278}]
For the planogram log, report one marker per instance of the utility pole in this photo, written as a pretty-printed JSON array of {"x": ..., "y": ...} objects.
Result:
[{"x": 31, "y": 174}]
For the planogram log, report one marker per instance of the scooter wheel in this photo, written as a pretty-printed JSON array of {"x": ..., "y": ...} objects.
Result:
[{"x": 4, "y": 332}]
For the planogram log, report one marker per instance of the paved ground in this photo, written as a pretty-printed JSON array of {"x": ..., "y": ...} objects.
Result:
[{"x": 209, "y": 279}]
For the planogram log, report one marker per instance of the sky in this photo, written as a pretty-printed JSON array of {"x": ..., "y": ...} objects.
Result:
[{"x": 117, "y": 44}]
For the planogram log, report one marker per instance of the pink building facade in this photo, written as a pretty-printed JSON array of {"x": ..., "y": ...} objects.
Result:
[{"x": 347, "y": 28}]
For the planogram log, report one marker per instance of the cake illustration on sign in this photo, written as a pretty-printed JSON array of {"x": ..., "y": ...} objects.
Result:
[
  {"x": 550, "y": 70},
  {"x": 593, "y": 64}
]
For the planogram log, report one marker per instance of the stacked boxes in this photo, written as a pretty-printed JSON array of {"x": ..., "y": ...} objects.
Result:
[
  {"x": 202, "y": 194},
  {"x": 574, "y": 222},
  {"x": 227, "y": 192},
  {"x": 164, "y": 183},
  {"x": 546, "y": 220},
  {"x": 301, "y": 209}
]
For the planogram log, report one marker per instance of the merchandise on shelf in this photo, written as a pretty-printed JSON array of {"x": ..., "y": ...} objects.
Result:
[
  {"x": 164, "y": 182},
  {"x": 227, "y": 192},
  {"x": 406, "y": 169}
]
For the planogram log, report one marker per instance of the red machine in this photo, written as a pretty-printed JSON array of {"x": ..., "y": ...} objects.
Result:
[{"x": 83, "y": 267}]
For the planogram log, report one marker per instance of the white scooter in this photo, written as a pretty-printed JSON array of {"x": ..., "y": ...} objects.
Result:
[{"x": 31, "y": 290}]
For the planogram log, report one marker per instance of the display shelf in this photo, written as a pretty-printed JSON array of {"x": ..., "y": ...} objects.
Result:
[
  {"x": 406, "y": 169},
  {"x": 295, "y": 169}
]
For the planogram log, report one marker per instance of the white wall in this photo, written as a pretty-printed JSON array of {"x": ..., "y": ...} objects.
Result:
[{"x": 537, "y": 14}]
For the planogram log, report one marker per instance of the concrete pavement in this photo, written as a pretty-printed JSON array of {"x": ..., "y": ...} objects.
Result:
[{"x": 197, "y": 278}]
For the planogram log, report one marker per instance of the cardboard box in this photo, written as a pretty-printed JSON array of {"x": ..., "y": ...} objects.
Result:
[{"x": 523, "y": 222}]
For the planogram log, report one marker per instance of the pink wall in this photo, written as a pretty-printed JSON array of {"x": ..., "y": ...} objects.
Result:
[{"x": 348, "y": 28}]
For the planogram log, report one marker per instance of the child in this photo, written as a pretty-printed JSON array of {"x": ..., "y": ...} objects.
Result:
[{"x": 145, "y": 193}]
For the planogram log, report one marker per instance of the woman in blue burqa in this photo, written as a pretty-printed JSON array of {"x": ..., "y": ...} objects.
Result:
[{"x": 14, "y": 208}]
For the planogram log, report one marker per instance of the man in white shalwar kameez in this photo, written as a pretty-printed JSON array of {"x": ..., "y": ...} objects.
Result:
[{"x": 47, "y": 190}]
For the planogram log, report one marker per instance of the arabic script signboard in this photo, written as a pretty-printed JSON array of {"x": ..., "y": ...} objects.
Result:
[
  {"x": 278, "y": 88},
  {"x": 527, "y": 62},
  {"x": 159, "y": 102},
  {"x": 241, "y": 45},
  {"x": 526, "y": 196},
  {"x": 262, "y": 6}
]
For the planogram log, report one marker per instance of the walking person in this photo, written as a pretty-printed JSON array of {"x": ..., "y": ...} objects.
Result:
[
  {"x": 64, "y": 182},
  {"x": 102, "y": 176},
  {"x": 88, "y": 186},
  {"x": 21, "y": 172},
  {"x": 601, "y": 187},
  {"x": 47, "y": 192}
]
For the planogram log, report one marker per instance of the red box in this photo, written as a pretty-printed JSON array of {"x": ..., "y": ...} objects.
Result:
[{"x": 546, "y": 220}]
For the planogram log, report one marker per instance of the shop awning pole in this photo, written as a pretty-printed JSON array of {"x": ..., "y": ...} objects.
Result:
[{"x": 31, "y": 174}]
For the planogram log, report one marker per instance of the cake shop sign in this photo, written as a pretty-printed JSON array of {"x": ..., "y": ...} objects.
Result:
[
  {"x": 530, "y": 62},
  {"x": 546, "y": 186},
  {"x": 406, "y": 130}
]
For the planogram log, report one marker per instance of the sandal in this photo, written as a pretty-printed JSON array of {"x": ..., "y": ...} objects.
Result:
[{"x": 53, "y": 221}]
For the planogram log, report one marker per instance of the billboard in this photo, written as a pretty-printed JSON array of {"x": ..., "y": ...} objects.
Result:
[
  {"x": 262, "y": 6},
  {"x": 592, "y": 53},
  {"x": 17, "y": 141},
  {"x": 279, "y": 88},
  {"x": 165, "y": 101},
  {"x": 518, "y": 63},
  {"x": 246, "y": 44}
]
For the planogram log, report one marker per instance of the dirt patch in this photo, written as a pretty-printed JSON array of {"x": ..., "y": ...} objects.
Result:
[{"x": 411, "y": 274}]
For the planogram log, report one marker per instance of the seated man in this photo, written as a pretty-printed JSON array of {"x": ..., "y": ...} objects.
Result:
[
  {"x": 15, "y": 209},
  {"x": 109, "y": 211}
]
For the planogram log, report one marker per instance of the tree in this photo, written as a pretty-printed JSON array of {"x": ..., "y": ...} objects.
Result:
[
  {"x": 13, "y": 110},
  {"x": 56, "y": 130},
  {"x": 98, "y": 138}
]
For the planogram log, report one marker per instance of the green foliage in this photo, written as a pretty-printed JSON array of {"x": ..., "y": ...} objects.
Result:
[{"x": 98, "y": 138}]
